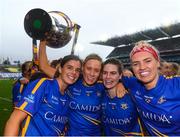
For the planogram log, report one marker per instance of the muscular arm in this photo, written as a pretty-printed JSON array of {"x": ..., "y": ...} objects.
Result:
[
  {"x": 43, "y": 61},
  {"x": 14, "y": 122}
]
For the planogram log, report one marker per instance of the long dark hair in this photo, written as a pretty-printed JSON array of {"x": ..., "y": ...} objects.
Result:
[{"x": 65, "y": 60}]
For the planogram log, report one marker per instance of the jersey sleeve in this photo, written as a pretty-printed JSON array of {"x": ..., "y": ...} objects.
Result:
[
  {"x": 32, "y": 96},
  {"x": 15, "y": 92},
  {"x": 131, "y": 83},
  {"x": 177, "y": 81},
  {"x": 128, "y": 81}
]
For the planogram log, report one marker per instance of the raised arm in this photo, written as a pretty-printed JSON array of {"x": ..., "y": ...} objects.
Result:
[
  {"x": 14, "y": 123},
  {"x": 43, "y": 61}
]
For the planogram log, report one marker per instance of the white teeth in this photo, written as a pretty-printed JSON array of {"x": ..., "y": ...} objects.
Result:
[
  {"x": 91, "y": 79},
  {"x": 144, "y": 74},
  {"x": 71, "y": 77},
  {"x": 108, "y": 82}
]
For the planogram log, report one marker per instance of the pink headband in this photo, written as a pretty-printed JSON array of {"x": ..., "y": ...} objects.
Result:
[{"x": 144, "y": 48}]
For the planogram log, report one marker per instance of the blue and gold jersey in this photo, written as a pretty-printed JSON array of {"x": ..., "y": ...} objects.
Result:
[
  {"x": 46, "y": 107},
  {"x": 159, "y": 108},
  {"x": 85, "y": 109},
  {"x": 120, "y": 117},
  {"x": 17, "y": 91}
]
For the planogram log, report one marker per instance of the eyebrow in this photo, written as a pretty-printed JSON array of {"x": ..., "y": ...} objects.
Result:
[{"x": 143, "y": 60}]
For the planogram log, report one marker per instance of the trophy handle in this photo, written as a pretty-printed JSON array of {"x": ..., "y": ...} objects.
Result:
[
  {"x": 35, "y": 52},
  {"x": 77, "y": 27}
]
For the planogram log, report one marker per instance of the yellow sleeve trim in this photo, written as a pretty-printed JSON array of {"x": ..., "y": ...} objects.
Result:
[
  {"x": 24, "y": 129},
  {"x": 23, "y": 111}
]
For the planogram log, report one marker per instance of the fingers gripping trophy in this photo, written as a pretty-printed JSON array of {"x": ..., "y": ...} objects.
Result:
[{"x": 54, "y": 26}]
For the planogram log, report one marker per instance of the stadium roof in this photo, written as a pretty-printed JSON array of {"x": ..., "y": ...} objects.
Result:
[{"x": 165, "y": 38}]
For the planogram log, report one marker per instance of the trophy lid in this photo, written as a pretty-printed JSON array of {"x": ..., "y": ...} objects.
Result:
[{"x": 37, "y": 23}]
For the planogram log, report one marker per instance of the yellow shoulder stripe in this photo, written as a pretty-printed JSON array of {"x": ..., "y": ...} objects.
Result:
[
  {"x": 21, "y": 88},
  {"x": 38, "y": 85}
]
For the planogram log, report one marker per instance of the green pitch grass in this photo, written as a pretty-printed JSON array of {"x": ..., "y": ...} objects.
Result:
[{"x": 5, "y": 102}]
